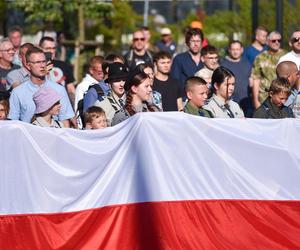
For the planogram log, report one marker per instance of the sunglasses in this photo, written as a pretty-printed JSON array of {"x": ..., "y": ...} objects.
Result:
[
  {"x": 139, "y": 39},
  {"x": 276, "y": 40},
  {"x": 295, "y": 39}
]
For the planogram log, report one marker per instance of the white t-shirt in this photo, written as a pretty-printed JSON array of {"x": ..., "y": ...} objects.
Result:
[{"x": 291, "y": 56}]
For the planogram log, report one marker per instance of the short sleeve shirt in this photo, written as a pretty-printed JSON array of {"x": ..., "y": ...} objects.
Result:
[{"x": 264, "y": 69}]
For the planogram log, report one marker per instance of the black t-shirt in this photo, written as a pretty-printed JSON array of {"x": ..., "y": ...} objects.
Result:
[
  {"x": 132, "y": 59},
  {"x": 61, "y": 73},
  {"x": 170, "y": 91},
  {"x": 3, "y": 75}
]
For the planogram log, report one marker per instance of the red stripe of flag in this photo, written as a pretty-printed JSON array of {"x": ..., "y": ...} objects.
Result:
[{"x": 202, "y": 224}]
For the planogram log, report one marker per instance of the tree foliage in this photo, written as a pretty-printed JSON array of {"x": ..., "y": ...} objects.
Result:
[
  {"x": 121, "y": 20},
  {"x": 239, "y": 19},
  {"x": 110, "y": 19},
  {"x": 53, "y": 10}
]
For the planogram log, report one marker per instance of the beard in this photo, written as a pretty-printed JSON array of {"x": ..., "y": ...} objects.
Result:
[
  {"x": 195, "y": 52},
  {"x": 296, "y": 50}
]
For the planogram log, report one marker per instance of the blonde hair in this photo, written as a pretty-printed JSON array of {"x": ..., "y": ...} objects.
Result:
[
  {"x": 280, "y": 85},
  {"x": 93, "y": 113}
]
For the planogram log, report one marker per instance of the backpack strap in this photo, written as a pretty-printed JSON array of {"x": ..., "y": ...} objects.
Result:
[
  {"x": 114, "y": 103},
  {"x": 99, "y": 91},
  {"x": 58, "y": 124}
]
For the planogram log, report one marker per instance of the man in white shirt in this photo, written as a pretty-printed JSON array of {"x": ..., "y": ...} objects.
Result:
[
  {"x": 94, "y": 75},
  {"x": 294, "y": 55}
]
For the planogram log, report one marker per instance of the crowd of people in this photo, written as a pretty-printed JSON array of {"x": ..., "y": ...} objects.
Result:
[{"x": 260, "y": 81}]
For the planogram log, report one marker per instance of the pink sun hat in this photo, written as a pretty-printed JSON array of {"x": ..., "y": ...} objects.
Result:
[{"x": 44, "y": 99}]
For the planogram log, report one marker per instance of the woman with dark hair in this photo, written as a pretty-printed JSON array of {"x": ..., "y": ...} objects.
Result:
[
  {"x": 223, "y": 81},
  {"x": 139, "y": 91},
  {"x": 155, "y": 96}
]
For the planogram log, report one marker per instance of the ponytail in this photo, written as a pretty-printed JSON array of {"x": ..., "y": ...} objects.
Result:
[
  {"x": 151, "y": 108},
  {"x": 128, "y": 105}
]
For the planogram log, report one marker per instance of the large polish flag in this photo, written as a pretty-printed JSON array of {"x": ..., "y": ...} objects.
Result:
[{"x": 155, "y": 181}]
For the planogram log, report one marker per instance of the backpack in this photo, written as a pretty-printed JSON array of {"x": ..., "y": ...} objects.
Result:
[
  {"x": 4, "y": 94},
  {"x": 79, "y": 111}
]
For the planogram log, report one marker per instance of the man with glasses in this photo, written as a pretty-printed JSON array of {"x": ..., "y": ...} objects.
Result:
[
  {"x": 18, "y": 76},
  {"x": 294, "y": 55},
  {"x": 138, "y": 53},
  {"x": 188, "y": 63},
  {"x": 7, "y": 52},
  {"x": 21, "y": 102},
  {"x": 264, "y": 69}
]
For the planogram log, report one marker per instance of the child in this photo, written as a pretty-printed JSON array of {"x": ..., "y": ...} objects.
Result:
[
  {"x": 220, "y": 104},
  {"x": 139, "y": 93},
  {"x": 47, "y": 103},
  {"x": 273, "y": 107},
  {"x": 95, "y": 118},
  {"x": 4, "y": 109},
  {"x": 210, "y": 59},
  {"x": 196, "y": 92}
]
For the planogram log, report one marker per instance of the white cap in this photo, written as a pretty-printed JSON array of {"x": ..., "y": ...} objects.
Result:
[{"x": 165, "y": 31}]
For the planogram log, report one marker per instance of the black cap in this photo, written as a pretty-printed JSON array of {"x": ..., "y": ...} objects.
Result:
[{"x": 116, "y": 72}]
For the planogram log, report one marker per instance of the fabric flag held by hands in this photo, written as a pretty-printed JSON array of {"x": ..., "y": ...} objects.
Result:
[{"x": 155, "y": 181}]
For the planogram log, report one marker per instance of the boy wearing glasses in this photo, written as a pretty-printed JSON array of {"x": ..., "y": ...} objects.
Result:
[
  {"x": 210, "y": 60},
  {"x": 294, "y": 55},
  {"x": 264, "y": 68}
]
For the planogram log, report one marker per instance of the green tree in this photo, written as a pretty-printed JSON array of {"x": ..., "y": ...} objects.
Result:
[
  {"x": 110, "y": 19},
  {"x": 3, "y": 9},
  {"x": 121, "y": 20},
  {"x": 239, "y": 19}
]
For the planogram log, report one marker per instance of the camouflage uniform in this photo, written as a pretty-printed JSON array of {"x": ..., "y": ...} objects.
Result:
[{"x": 264, "y": 68}]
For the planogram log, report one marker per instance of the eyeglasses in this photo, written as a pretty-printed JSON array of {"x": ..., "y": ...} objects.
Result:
[
  {"x": 195, "y": 41},
  {"x": 276, "y": 40},
  {"x": 49, "y": 48},
  {"x": 38, "y": 62},
  {"x": 138, "y": 39},
  {"x": 215, "y": 58},
  {"x": 295, "y": 39},
  {"x": 8, "y": 50}
]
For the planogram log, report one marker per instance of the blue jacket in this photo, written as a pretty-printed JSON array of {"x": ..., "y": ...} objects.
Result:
[{"x": 184, "y": 66}]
